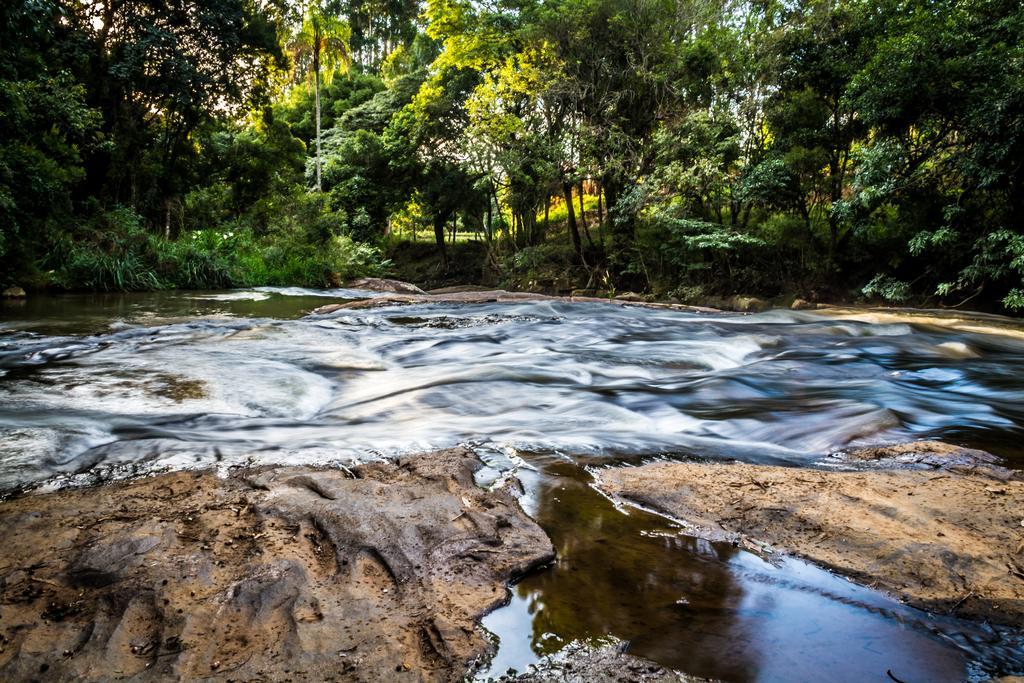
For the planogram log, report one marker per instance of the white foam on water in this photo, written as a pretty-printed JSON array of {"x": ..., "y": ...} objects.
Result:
[
  {"x": 232, "y": 296},
  {"x": 590, "y": 379}
]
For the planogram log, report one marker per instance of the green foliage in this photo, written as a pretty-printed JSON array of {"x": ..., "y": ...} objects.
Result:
[
  {"x": 888, "y": 288},
  {"x": 810, "y": 146},
  {"x": 115, "y": 252}
]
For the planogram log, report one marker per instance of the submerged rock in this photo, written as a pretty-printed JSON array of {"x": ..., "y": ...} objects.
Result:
[
  {"x": 374, "y": 574},
  {"x": 377, "y": 284},
  {"x": 950, "y": 540},
  {"x": 14, "y": 293}
]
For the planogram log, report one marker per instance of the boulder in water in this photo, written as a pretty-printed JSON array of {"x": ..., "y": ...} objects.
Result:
[
  {"x": 14, "y": 293},
  {"x": 748, "y": 304}
]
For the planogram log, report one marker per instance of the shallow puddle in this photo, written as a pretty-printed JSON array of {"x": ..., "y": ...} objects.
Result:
[{"x": 713, "y": 610}]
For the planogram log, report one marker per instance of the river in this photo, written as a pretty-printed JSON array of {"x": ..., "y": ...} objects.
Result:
[{"x": 101, "y": 386}]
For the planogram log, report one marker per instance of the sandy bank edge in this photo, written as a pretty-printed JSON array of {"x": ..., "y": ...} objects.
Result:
[{"x": 944, "y": 540}]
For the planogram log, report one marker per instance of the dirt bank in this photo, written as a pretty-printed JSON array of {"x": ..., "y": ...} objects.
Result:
[
  {"x": 946, "y": 539},
  {"x": 377, "y": 574}
]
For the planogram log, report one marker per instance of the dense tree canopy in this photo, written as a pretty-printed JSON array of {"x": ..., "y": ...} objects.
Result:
[{"x": 820, "y": 147}]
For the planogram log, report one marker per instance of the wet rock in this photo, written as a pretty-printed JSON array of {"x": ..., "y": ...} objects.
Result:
[
  {"x": 377, "y": 284},
  {"x": 631, "y": 296},
  {"x": 582, "y": 663},
  {"x": 458, "y": 289},
  {"x": 748, "y": 304},
  {"x": 949, "y": 540},
  {"x": 467, "y": 297},
  {"x": 377, "y": 573},
  {"x": 802, "y": 305},
  {"x": 739, "y": 303},
  {"x": 935, "y": 455},
  {"x": 14, "y": 293}
]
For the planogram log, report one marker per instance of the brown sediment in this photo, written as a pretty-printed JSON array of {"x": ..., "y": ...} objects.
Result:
[
  {"x": 948, "y": 539},
  {"x": 377, "y": 573}
]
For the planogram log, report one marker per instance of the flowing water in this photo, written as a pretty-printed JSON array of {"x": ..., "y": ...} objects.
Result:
[{"x": 99, "y": 386}]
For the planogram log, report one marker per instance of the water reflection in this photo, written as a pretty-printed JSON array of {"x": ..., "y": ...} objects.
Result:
[{"x": 712, "y": 610}]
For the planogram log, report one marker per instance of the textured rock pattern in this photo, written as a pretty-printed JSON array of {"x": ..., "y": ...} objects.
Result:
[{"x": 376, "y": 574}]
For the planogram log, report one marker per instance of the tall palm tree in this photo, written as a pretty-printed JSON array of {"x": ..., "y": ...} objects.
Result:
[{"x": 321, "y": 44}]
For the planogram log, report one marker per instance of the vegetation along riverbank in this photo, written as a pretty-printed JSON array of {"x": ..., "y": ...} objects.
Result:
[
  {"x": 694, "y": 149},
  {"x": 525, "y": 340}
]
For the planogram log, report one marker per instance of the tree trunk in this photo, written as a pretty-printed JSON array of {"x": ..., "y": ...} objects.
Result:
[
  {"x": 439, "y": 221},
  {"x": 583, "y": 216},
  {"x": 583, "y": 210},
  {"x": 574, "y": 232},
  {"x": 167, "y": 218},
  {"x": 316, "y": 78}
]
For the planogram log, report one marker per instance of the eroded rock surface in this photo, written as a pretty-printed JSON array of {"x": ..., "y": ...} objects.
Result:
[
  {"x": 933, "y": 455},
  {"x": 949, "y": 540},
  {"x": 378, "y": 284},
  {"x": 377, "y": 574}
]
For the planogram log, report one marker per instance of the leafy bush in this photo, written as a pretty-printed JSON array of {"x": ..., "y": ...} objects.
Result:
[
  {"x": 114, "y": 251},
  {"x": 888, "y": 288}
]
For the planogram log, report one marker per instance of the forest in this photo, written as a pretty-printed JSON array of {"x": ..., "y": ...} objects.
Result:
[{"x": 840, "y": 149}]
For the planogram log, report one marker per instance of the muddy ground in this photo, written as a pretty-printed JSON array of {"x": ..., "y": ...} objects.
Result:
[
  {"x": 373, "y": 574},
  {"x": 937, "y": 526}
]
